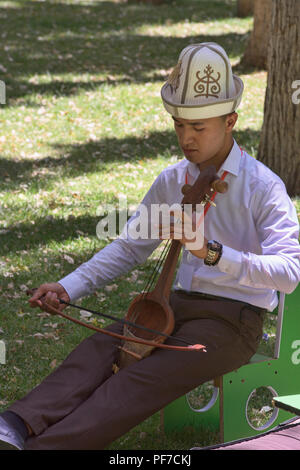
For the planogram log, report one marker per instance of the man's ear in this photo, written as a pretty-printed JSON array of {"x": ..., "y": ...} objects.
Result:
[{"x": 231, "y": 120}]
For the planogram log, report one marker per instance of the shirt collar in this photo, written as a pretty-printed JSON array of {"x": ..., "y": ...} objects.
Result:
[{"x": 231, "y": 164}]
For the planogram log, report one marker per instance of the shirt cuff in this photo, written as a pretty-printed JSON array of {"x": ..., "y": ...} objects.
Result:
[
  {"x": 74, "y": 286},
  {"x": 231, "y": 261}
]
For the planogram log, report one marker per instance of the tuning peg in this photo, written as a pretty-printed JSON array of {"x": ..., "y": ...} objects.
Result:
[
  {"x": 220, "y": 186},
  {"x": 185, "y": 188},
  {"x": 207, "y": 199}
]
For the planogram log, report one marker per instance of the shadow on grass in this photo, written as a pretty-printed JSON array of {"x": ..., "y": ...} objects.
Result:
[
  {"x": 94, "y": 156},
  {"x": 52, "y": 39},
  {"x": 47, "y": 229},
  {"x": 90, "y": 157}
]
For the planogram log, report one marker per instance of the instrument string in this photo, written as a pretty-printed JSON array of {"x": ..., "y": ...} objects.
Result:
[{"x": 153, "y": 274}]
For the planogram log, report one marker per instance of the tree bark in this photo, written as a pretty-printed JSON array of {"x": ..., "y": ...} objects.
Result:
[
  {"x": 279, "y": 147},
  {"x": 257, "y": 47},
  {"x": 245, "y": 8}
]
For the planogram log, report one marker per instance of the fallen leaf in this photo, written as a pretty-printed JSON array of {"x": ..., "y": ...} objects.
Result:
[
  {"x": 53, "y": 363},
  {"x": 22, "y": 314},
  {"x": 265, "y": 409},
  {"x": 111, "y": 287},
  {"x": 38, "y": 335},
  {"x": 53, "y": 325},
  {"x": 85, "y": 314},
  {"x": 52, "y": 336},
  {"x": 43, "y": 314},
  {"x": 69, "y": 259}
]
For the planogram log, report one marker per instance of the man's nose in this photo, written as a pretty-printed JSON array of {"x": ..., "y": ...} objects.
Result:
[{"x": 187, "y": 136}]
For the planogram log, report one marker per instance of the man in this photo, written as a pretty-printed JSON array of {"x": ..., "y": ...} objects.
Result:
[{"x": 221, "y": 291}]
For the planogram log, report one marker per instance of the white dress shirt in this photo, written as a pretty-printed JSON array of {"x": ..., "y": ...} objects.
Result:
[{"x": 255, "y": 220}]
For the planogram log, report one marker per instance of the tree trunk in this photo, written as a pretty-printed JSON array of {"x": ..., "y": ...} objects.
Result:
[
  {"x": 245, "y": 8},
  {"x": 279, "y": 147},
  {"x": 257, "y": 47}
]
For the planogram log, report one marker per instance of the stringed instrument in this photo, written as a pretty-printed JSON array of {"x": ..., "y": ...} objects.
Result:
[
  {"x": 152, "y": 309},
  {"x": 150, "y": 319}
]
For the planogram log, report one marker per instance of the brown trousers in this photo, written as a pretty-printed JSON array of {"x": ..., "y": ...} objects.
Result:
[{"x": 83, "y": 405}]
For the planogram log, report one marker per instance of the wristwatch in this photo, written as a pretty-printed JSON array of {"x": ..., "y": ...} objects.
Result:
[{"x": 213, "y": 247}]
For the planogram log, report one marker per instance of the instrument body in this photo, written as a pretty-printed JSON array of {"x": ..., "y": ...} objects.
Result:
[{"x": 152, "y": 310}]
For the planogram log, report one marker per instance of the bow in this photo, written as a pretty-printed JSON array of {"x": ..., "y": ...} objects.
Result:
[{"x": 49, "y": 308}]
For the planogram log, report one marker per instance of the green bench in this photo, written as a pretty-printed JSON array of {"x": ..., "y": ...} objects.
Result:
[{"x": 226, "y": 412}]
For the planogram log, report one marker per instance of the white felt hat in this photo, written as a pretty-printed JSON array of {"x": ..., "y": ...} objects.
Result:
[{"x": 202, "y": 84}]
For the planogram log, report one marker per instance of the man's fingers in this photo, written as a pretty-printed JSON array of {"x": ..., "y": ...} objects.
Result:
[
  {"x": 48, "y": 296},
  {"x": 43, "y": 294},
  {"x": 52, "y": 299},
  {"x": 177, "y": 231},
  {"x": 49, "y": 299},
  {"x": 37, "y": 295}
]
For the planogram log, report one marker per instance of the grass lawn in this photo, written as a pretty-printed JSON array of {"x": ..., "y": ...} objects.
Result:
[{"x": 82, "y": 125}]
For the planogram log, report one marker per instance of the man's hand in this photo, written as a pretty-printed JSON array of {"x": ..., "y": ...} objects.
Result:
[
  {"x": 50, "y": 292},
  {"x": 188, "y": 231},
  {"x": 202, "y": 253}
]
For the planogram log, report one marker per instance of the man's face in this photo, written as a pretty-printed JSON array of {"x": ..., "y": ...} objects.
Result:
[{"x": 201, "y": 140}]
